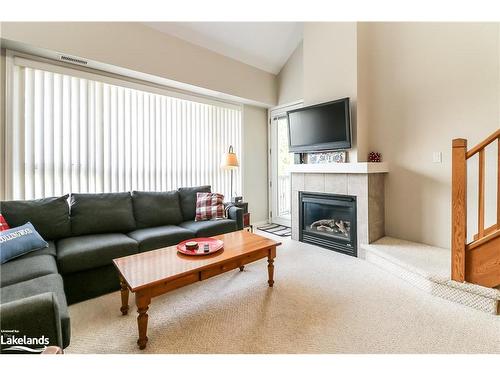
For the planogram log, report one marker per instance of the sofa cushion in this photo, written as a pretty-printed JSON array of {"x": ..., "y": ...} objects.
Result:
[
  {"x": 50, "y": 250},
  {"x": 34, "y": 316},
  {"x": 44, "y": 284},
  {"x": 210, "y": 227},
  {"x": 18, "y": 270},
  {"x": 188, "y": 200},
  {"x": 84, "y": 285},
  {"x": 19, "y": 241},
  {"x": 153, "y": 209},
  {"x": 101, "y": 213},
  {"x": 155, "y": 238},
  {"x": 49, "y": 216},
  {"x": 91, "y": 251}
]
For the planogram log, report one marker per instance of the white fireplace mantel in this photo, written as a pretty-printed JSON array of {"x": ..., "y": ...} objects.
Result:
[{"x": 340, "y": 168}]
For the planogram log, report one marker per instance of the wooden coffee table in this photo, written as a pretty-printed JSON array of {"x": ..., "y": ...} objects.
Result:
[{"x": 157, "y": 272}]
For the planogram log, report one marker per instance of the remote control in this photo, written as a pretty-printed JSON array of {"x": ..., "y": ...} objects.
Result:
[{"x": 206, "y": 248}]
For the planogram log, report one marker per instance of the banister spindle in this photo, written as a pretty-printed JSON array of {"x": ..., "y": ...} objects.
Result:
[{"x": 480, "y": 203}]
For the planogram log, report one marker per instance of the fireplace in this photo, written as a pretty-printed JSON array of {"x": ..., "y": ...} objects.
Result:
[{"x": 328, "y": 220}]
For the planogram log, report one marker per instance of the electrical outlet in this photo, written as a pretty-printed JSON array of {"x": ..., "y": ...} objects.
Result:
[{"x": 437, "y": 157}]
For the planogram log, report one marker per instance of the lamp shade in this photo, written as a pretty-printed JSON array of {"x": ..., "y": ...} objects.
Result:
[{"x": 230, "y": 160}]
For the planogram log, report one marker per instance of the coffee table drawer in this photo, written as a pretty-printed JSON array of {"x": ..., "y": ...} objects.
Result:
[
  {"x": 217, "y": 270},
  {"x": 254, "y": 257},
  {"x": 174, "y": 284}
]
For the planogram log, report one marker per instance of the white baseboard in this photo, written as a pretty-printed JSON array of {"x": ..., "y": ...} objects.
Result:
[{"x": 260, "y": 223}]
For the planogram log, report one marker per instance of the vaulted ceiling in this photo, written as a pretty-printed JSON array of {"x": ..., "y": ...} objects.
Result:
[{"x": 264, "y": 45}]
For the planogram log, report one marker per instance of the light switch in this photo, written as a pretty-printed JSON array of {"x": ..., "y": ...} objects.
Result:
[{"x": 437, "y": 157}]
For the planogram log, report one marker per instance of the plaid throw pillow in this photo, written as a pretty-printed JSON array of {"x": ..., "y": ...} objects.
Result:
[
  {"x": 3, "y": 224},
  {"x": 209, "y": 206}
]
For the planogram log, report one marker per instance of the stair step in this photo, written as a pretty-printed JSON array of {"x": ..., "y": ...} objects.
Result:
[{"x": 428, "y": 268}]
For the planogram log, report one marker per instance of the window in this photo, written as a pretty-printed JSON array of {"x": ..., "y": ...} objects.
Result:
[{"x": 74, "y": 131}]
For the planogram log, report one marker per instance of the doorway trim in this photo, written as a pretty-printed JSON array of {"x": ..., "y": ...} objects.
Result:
[{"x": 272, "y": 113}]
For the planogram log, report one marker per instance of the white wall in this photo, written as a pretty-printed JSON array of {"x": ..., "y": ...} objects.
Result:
[
  {"x": 255, "y": 162},
  {"x": 137, "y": 47},
  {"x": 418, "y": 86},
  {"x": 291, "y": 78},
  {"x": 424, "y": 84},
  {"x": 324, "y": 68},
  {"x": 363, "y": 96},
  {"x": 330, "y": 68}
]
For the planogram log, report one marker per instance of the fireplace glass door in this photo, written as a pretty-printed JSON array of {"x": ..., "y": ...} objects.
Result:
[{"x": 328, "y": 220}]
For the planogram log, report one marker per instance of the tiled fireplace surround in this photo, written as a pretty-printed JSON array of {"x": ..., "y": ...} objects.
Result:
[{"x": 368, "y": 188}]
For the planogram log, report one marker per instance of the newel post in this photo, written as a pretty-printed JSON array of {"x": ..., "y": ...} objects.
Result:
[{"x": 458, "y": 209}]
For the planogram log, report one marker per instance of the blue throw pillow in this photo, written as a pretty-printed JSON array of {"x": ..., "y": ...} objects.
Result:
[{"x": 18, "y": 241}]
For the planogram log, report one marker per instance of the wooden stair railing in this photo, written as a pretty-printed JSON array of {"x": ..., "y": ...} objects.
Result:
[{"x": 465, "y": 265}]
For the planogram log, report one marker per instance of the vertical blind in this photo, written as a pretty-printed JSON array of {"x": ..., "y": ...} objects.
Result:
[{"x": 80, "y": 135}]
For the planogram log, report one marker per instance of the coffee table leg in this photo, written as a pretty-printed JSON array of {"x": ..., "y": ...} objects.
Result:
[
  {"x": 142, "y": 303},
  {"x": 270, "y": 267},
  {"x": 242, "y": 268},
  {"x": 124, "y": 293}
]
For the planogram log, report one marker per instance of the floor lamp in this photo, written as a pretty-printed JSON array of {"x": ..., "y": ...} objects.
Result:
[{"x": 230, "y": 161}]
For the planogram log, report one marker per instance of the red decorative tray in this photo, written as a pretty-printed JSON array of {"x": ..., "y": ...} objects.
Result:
[{"x": 213, "y": 243}]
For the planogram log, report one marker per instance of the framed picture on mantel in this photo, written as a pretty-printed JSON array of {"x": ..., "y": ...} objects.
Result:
[{"x": 326, "y": 157}]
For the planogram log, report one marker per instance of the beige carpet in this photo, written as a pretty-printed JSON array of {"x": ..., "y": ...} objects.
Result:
[
  {"x": 428, "y": 268},
  {"x": 322, "y": 302}
]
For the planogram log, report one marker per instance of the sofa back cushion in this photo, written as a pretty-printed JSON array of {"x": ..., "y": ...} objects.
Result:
[
  {"x": 101, "y": 213},
  {"x": 153, "y": 209},
  {"x": 188, "y": 200},
  {"x": 49, "y": 216}
]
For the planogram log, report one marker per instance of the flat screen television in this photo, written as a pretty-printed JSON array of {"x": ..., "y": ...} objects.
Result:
[{"x": 325, "y": 126}]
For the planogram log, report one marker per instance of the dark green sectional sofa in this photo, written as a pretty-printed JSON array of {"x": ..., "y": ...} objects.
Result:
[{"x": 85, "y": 233}]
